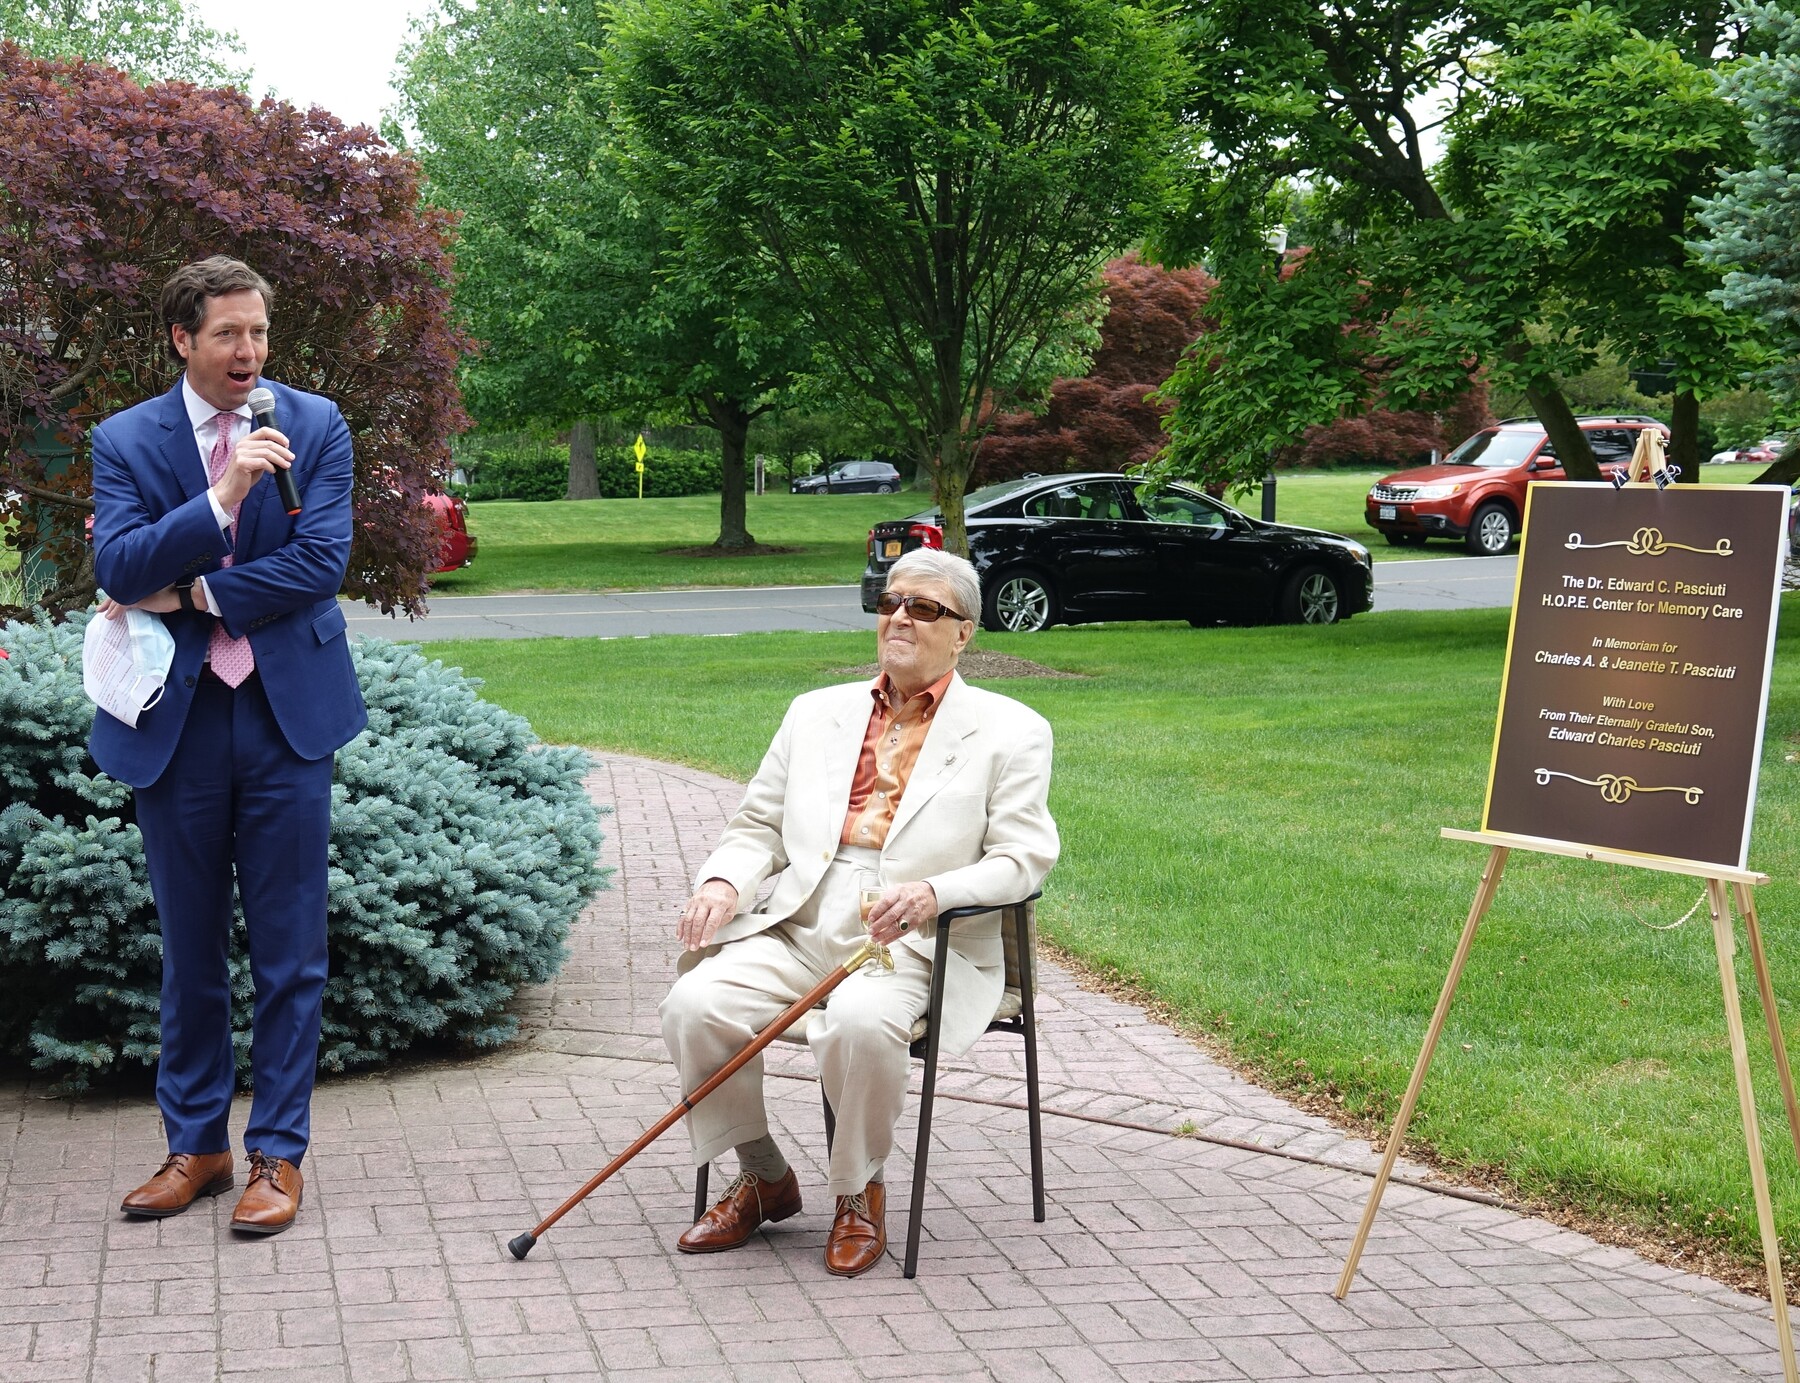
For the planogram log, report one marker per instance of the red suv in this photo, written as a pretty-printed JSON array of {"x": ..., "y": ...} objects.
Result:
[{"x": 1477, "y": 492}]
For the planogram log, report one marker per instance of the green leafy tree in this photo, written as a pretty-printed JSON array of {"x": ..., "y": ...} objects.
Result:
[
  {"x": 573, "y": 273},
  {"x": 1754, "y": 220},
  {"x": 1556, "y": 226},
  {"x": 153, "y": 40},
  {"x": 937, "y": 182}
]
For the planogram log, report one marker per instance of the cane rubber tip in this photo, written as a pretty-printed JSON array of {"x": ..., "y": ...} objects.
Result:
[{"x": 522, "y": 1245}]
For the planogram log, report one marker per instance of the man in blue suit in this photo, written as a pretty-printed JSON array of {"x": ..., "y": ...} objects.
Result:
[{"x": 233, "y": 765}]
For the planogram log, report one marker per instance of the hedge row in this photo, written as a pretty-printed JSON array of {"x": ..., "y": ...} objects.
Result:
[{"x": 519, "y": 468}]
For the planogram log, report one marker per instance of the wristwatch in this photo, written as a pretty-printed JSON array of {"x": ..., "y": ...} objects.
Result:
[{"x": 184, "y": 592}]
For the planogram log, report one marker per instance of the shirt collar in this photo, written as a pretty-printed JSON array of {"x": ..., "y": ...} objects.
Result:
[
  {"x": 932, "y": 696},
  {"x": 199, "y": 411}
]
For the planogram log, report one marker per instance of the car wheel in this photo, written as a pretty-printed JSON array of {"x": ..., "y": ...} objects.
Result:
[
  {"x": 1405, "y": 539},
  {"x": 1492, "y": 531},
  {"x": 884, "y": 489},
  {"x": 1018, "y": 602},
  {"x": 1312, "y": 596}
]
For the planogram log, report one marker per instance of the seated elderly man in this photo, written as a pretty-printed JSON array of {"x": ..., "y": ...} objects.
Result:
[{"x": 918, "y": 786}]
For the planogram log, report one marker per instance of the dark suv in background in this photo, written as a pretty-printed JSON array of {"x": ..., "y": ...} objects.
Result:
[
  {"x": 849, "y": 478},
  {"x": 1477, "y": 492}
]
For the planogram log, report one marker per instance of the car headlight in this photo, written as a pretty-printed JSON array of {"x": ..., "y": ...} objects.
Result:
[
  {"x": 1361, "y": 554},
  {"x": 1436, "y": 491}
]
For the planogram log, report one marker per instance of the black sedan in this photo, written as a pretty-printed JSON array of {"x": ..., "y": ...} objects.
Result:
[
  {"x": 1072, "y": 548},
  {"x": 849, "y": 478}
]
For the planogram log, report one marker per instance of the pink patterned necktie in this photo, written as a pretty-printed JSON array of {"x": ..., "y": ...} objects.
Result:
[{"x": 231, "y": 658}]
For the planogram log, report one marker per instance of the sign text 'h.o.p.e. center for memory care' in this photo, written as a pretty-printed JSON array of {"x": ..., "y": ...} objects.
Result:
[{"x": 1643, "y": 627}]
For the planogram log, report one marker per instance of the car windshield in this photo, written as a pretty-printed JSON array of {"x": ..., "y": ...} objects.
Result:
[{"x": 1495, "y": 448}]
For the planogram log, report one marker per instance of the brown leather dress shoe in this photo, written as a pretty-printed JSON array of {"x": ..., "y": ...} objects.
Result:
[
  {"x": 859, "y": 1234},
  {"x": 184, "y": 1178},
  {"x": 748, "y": 1202},
  {"x": 271, "y": 1197}
]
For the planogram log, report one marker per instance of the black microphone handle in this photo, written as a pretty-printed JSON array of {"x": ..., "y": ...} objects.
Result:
[
  {"x": 284, "y": 478},
  {"x": 290, "y": 496}
]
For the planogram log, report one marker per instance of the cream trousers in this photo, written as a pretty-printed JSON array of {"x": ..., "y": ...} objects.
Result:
[{"x": 859, "y": 1041}]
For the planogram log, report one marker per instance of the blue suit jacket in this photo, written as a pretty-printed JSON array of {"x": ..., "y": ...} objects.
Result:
[{"x": 153, "y": 526}]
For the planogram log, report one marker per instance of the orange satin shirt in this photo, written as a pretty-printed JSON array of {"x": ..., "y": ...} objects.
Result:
[{"x": 890, "y": 748}]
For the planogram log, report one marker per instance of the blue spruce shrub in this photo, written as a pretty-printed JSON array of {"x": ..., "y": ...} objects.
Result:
[{"x": 461, "y": 852}]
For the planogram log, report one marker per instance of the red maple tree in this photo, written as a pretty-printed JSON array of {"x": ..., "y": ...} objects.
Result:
[
  {"x": 1103, "y": 421},
  {"x": 106, "y": 187}
]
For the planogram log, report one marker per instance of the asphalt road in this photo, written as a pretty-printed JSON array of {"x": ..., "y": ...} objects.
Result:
[{"x": 1444, "y": 584}]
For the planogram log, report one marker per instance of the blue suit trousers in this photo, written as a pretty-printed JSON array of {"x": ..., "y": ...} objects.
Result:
[{"x": 237, "y": 801}]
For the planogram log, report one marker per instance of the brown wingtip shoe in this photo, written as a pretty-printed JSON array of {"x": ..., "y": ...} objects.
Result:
[
  {"x": 271, "y": 1197},
  {"x": 859, "y": 1234},
  {"x": 184, "y": 1178},
  {"x": 748, "y": 1202}
]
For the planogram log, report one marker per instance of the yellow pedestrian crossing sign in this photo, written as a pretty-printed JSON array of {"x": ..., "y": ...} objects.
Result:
[{"x": 638, "y": 450}]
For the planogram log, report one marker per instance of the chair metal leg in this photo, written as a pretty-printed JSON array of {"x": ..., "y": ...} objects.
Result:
[
  {"x": 700, "y": 1177},
  {"x": 922, "y": 1151},
  {"x": 1029, "y": 1014},
  {"x": 830, "y": 1119}
]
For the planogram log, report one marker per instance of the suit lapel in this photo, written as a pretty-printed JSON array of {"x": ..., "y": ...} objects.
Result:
[
  {"x": 178, "y": 449},
  {"x": 941, "y": 757},
  {"x": 842, "y": 748}
]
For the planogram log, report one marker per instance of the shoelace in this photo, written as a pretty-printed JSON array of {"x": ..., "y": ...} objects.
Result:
[
  {"x": 858, "y": 1205},
  {"x": 738, "y": 1183},
  {"x": 268, "y": 1168}
]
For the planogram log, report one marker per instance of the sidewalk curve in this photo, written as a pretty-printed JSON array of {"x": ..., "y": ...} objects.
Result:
[{"x": 1163, "y": 1258}]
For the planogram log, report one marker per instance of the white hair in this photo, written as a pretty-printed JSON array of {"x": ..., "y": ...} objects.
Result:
[{"x": 954, "y": 573}]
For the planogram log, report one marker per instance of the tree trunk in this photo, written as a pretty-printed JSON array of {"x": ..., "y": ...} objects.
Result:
[
  {"x": 952, "y": 484},
  {"x": 1684, "y": 438},
  {"x": 1785, "y": 469},
  {"x": 1565, "y": 433},
  {"x": 732, "y": 420},
  {"x": 584, "y": 474}
]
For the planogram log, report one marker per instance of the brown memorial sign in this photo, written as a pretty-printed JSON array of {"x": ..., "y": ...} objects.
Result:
[{"x": 1637, "y": 669}]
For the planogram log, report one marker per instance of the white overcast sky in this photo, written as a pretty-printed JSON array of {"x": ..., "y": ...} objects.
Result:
[{"x": 338, "y": 54}]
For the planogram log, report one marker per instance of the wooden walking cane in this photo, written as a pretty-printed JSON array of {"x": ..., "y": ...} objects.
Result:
[{"x": 801, "y": 1006}]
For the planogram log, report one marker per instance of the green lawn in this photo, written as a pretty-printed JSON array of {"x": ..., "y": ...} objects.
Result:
[
  {"x": 1250, "y": 825},
  {"x": 629, "y": 544}
]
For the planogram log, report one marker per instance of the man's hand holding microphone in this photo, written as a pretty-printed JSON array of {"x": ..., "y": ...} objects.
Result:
[{"x": 264, "y": 450}]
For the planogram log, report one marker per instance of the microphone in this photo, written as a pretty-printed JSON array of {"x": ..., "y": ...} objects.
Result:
[{"x": 262, "y": 414}]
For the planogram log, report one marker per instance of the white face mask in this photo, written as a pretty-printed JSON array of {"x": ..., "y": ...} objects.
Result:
[{"x": 125, "y": 663}]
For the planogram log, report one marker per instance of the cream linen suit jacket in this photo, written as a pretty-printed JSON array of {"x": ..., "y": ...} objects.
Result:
[{"x": 974, "y": 823}]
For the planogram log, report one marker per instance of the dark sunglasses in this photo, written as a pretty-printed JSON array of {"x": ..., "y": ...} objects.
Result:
[{"x": 921, "y": 607}]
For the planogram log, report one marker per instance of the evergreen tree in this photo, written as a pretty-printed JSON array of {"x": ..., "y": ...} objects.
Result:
[{"x": 1755, "y": 217}]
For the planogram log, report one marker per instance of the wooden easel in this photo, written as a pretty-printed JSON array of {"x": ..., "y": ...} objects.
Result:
[{"x": 1718, "y": 879}]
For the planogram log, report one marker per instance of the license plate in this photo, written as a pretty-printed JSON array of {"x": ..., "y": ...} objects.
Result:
[
  {"x": 891, "y": 548},
  {"x": 1386, "y": 511}
]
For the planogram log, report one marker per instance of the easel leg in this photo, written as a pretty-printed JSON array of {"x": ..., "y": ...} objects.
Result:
[
  {"x": 1484, "y": 896},
  {"x": 1765, "y": 988},
  {"x": 1724, "y": 943}
]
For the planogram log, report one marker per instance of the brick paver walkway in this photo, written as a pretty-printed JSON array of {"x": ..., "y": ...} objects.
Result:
[{"x": 1162, "y": 1258}]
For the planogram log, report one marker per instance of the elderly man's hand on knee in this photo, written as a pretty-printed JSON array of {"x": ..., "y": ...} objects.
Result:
[
  {"x": 903, "y": 908},
  {"x": 711, "y": 907}
]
